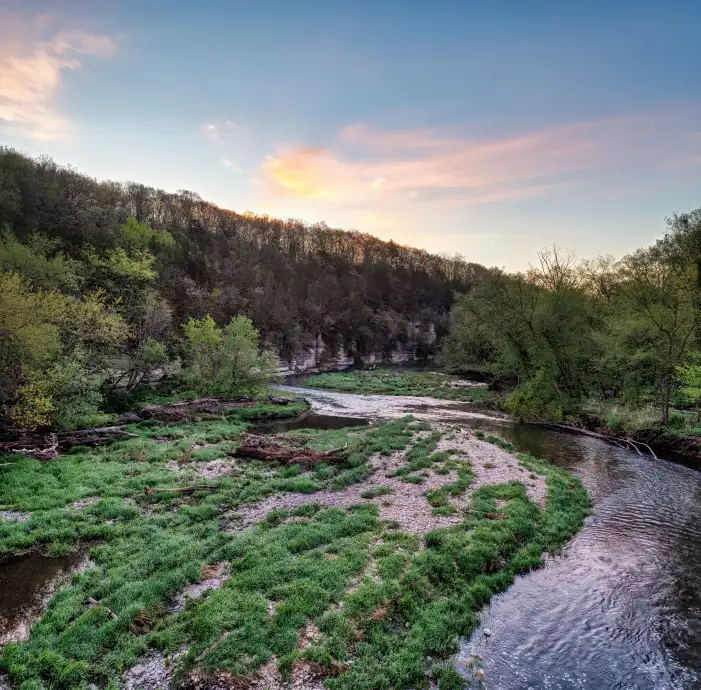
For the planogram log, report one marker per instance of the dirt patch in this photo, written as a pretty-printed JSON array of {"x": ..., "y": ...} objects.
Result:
[
  {"x": 494, "y": 465},
  {"x": 14, "y": 515},
  {"x": 206, "y": 469},
  {"x": 305, "y": 675},
  {"x": 84, "y": 502},
  {"x": 153, "y": 673},
  {"x": 214, "y": 576},
  {"x": 407, "y": 503}
]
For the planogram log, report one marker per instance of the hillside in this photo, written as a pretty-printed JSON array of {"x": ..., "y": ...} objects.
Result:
[{"x": 306, "y": 287}]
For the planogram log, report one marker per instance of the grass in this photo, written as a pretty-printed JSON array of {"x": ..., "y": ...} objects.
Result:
[
  {"x": 404, "y": 614},
  {"x": 389, "y": 382}
]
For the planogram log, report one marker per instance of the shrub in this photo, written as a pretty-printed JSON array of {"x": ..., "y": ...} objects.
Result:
[{"x": 226, "y": 361}]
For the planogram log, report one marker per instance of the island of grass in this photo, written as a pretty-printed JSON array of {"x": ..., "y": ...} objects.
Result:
[
  {"x": 415, "y": 383},
  {"x": 357, "y": 573}
]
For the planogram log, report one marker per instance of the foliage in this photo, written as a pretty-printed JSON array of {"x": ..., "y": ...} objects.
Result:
[
  {"x": 565, "y": 334},
  {"x": 394, "y": 623},
  {"x": 39, "y": 262},
  {"x": 52, "y": 363},
  {"x": 226, "y": 361},
  {"x": 389, "y": 382},
  {"x": 304, "y": 286},
  {"x": 690, "y": 377}
]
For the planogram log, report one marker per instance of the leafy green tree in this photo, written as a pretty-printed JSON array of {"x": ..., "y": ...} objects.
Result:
[
  {"x": 53, "y": 352},
  {"x": 135, "y": 236},
  {"x": 689, "y": 375},
  {"x": 656, "y": 297},
  {"x": 226, "y": 361},
  {"x": 39, "y": 262}
]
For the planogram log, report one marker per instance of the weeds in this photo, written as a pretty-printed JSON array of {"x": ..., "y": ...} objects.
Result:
[{"x": 388, "y": 382}]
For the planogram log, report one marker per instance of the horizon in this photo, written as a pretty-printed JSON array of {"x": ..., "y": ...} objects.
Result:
[{"x": 490, "y": 133}]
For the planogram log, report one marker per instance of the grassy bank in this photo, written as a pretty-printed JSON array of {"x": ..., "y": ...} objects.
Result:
[
  {"x": 681, "y": 435},
  {"x": 338, "y": 590},
  {"x": 389, "y": 382}
]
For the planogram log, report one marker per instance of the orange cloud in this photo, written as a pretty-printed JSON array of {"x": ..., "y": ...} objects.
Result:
[
  {"x": 423, "y": 165},
  {"x": 31, "y": 74}
]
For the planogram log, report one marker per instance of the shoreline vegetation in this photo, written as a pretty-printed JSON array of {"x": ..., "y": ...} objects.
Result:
[
  {"x": 613, "y": 422},
  {"x": 356, "y": 572}
]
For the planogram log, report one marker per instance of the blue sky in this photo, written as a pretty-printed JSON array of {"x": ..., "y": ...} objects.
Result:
[{"x": 489, "y": 129}]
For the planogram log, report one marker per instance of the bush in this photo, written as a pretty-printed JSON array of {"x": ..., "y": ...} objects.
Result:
[
  {"x": 226, "y": 361},
  {"x": 52, "y": 363},
  {"x": 530, "y": 403}
]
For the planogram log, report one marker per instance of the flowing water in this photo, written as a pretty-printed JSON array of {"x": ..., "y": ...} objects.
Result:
[{"x": 620, "y": 608}]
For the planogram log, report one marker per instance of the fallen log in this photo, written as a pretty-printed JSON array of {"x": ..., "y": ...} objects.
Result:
[
  {"x": 185, "y": 490},
  {"x": 193, "y": 410},
  {"x": 278, "y": 400},
  {"x": 620, "y": 441},
  {"x": 262, "y": 448},
  {"x": 48, "y": 446}
]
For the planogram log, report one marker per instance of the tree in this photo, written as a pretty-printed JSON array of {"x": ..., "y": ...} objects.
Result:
[
  {"x": 226, "y": 361},
  {"x": 53, "y": 352},
  {"x": 656, "y": 294}
]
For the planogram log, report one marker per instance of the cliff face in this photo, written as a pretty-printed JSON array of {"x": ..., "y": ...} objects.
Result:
[{"x": 322, "y": 356}]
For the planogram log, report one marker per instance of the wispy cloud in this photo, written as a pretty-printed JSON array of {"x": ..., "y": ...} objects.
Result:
[
  {"x": 31, "y": 71},
  {"x": 220, "y": 132},
  {"x": 228, "y": 163},
  {"x": 226, "y": 135},
  {"x": 389, "y": 181},
  {"x": 427, "y": 165}
]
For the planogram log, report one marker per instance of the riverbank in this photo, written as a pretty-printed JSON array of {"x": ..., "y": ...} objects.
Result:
[
  {"x": 355, "y": 572},
  {"x": 414, "y": 383},
  {"x": 670, "y": 439}
]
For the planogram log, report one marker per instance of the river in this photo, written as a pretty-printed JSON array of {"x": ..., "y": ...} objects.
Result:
[{"x": 620, "y": 608}]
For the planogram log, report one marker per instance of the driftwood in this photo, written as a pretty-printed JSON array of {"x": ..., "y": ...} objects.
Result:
[
  {"x": 262, "y": 448},
  {"x": 278, "y": 400},
  {"x": 193, "y": 410},
  {"x": 185, "y": 490},
  {"x": 95, "y": 602},
  {"x": 48, "y": 446},
  {"x": 620, "y": 441}
]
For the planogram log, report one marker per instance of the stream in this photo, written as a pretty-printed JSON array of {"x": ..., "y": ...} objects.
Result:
[{"x": 620, "y": 607}]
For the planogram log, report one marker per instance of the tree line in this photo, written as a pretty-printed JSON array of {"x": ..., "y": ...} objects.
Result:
[
  {"x": 100, "y": 279},
  {"x": 570, "y": 336}
]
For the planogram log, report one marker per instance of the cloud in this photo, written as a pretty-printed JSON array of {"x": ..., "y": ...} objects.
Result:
[
  {"x": 31, "y": 72},
  {"x": 220, "y": 132},
  {"x": 388, "y": 168},
  {"x": 228, "y": 163}
]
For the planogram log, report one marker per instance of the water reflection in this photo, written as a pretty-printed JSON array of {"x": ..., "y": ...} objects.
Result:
[
  {"x": 26, "y": 584},
  {"x": 621, "y": 607}
]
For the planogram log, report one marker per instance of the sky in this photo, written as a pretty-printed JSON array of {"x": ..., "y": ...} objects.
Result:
[{"x": 488, "y": 129}]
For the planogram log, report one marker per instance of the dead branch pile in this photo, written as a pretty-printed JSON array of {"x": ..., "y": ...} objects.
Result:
[
  {"x": 192, "y": 410},
  {"x": 263, "y": 448},
  {"x": 48, "y": 446}
]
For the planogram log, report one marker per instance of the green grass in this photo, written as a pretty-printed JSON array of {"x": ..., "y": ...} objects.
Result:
[
  {"x": 389, "y": 382},
  {"x": 394, "y": 626}
]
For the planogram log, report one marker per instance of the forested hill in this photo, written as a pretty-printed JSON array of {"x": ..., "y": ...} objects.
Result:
[{"x": 175, "y": 254}]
